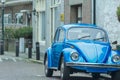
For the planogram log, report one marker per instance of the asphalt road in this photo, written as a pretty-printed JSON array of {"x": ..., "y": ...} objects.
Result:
[{"x": 19, "y": 69}]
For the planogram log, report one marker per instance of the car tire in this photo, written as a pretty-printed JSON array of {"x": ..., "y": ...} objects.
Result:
[
  {"x": 64, "y": 70},
  {"x": 48, "y": 72},
  {"x": 116, "y": 75}
]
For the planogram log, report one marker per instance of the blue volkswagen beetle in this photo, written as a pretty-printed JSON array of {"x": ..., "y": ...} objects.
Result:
[{"x": 81, "y": 48}]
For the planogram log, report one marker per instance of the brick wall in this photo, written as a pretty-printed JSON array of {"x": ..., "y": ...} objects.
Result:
[{"x": 16, "y": 9}]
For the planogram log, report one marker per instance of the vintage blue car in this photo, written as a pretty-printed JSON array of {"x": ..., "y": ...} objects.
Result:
[{"x": 82, "y": 48}]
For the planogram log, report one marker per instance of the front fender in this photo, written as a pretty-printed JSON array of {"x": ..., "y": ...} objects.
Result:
[
  {"x": 111, "y": 55},
  {"x": 67, "y": 53}
]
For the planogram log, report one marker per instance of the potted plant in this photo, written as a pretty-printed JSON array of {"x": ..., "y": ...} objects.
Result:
[{"x": 118, "y": 13}]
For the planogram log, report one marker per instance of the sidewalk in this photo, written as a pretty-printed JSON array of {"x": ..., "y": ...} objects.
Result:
[{"x": 22, "y": 56}]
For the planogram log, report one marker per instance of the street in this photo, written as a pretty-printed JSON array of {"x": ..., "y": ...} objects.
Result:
[{"x": 12, "y": 68}]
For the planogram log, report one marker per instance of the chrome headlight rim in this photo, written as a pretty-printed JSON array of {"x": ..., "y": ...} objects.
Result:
[
  {"x": 74, "y": 56},
  {"x": 116, "y": 58}
]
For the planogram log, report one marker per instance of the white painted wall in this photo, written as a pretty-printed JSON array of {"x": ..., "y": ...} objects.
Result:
[
  {"x": 50, "y": 28},
  {"x": 106, "y": 17},
  {"x": 34, "y": 25},
  {"x": 39, "y": 6}
]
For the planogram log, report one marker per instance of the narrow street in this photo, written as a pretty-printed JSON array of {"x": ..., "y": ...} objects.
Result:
[{"x": 13, "y": 68}]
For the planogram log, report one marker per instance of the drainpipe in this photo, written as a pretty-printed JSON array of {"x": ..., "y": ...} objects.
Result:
[{"x": 94, "y": 11}]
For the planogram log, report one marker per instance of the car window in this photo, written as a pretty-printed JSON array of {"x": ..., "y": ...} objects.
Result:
[
  {"x": 56, "y": 35},
  {"x": 87, "y": 34},
  {"x": 59, "y": 35}
]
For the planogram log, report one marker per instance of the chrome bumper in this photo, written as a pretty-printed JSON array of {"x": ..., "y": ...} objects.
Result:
[{"x": 93, "y": 65}]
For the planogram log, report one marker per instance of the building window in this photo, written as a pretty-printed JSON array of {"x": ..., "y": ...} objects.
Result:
[
  {"x": 41, "y": 4},
  {"x": 7, "y": 18},
  {"x": 52, "y": 23},
  {"x": 41, "y": 16},
  {"x": 52, "y": 2},
  {"x": 28, "y": 19},
  {"x": 76, "y": 14},
  {"x": 54, "y": 17},
  {"x": 19, "y": 18},
  {"x": 79, "y": 17},
  {"x": 55, "y": 2},
  {"x": 54, "y": 20},
  {"x": 43, "y": 25}
]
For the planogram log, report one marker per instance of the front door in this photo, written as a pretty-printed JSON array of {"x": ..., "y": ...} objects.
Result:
[{"x": 57, "y": 46}]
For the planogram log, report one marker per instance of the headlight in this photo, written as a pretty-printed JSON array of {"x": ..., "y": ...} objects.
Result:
[
  {"x": 116, "y": 58},
  {"x": 74, "y": 56}
]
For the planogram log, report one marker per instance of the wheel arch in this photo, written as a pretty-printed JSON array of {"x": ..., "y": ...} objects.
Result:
[
  {"x": 48, "y": 55},
  {"x": 65, "y": 53}
]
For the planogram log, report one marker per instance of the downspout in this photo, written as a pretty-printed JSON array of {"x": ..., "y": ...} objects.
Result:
[{"x": 94, "y": 11}]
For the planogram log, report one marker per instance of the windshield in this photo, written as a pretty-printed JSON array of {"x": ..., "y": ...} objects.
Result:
[{"x": 82, "y": 33}]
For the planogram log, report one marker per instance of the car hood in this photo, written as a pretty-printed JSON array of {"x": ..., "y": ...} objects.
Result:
[{"x": 91, "y": 51}]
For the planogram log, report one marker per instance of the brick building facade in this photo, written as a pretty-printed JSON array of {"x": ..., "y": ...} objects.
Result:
[{"x": 13, "y": 14}]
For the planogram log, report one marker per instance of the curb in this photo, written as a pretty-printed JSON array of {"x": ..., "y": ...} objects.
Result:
[
  {"x": 36, "y": 61},
  {"x": 24, "y": 58}
]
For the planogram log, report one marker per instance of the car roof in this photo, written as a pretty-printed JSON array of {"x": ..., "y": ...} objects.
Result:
[{"x": 78, "y": 25}]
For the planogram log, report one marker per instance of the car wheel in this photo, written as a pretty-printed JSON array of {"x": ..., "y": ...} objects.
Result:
[
  {"x": 116, "y": 75},
  {"x": 64, "y": 70},
  {"x": 48, "y": 72}
]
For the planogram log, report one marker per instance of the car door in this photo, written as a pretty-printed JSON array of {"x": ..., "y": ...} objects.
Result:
[{"x": 57, "y": 46}]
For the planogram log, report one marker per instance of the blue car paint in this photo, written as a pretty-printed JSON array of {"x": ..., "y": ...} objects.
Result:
[
  {"x": 56, "y": 49},
  {"x": 92, "y": 51},
  {"x": 83, "y": 48},
  {"x": 68, "y": 26},
  {"x": 103, "y": 58},
  {"x": 49, "y": 55},
  {"x": 67, "y": 52},
  {"x": 102, "y": 70}
]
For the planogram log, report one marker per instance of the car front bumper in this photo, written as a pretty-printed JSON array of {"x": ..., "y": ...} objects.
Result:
[{"x": 93, "y": 65}]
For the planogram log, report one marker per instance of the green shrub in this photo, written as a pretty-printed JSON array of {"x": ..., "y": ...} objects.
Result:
[
  {"x": 12, "y": 32},
  {"x": 9, "y": 33},
  {"x": 118, "y": 12}
]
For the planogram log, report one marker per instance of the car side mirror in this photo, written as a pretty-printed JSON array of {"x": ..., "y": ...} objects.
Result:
[{"x": 114, "y": 42}]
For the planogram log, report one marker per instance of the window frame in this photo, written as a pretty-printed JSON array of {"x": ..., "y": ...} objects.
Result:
[
  {"x": 57, "y": 35},
  {"x": 63, "y": 35},
  {"x": 7, "y": 18},
  {"x": 18, "y": 18}
]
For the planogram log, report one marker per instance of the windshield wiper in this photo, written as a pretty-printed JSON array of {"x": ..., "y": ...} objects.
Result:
[
  {"x": 83, "y": 37},
  {"x": 99, "y": 38}
]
